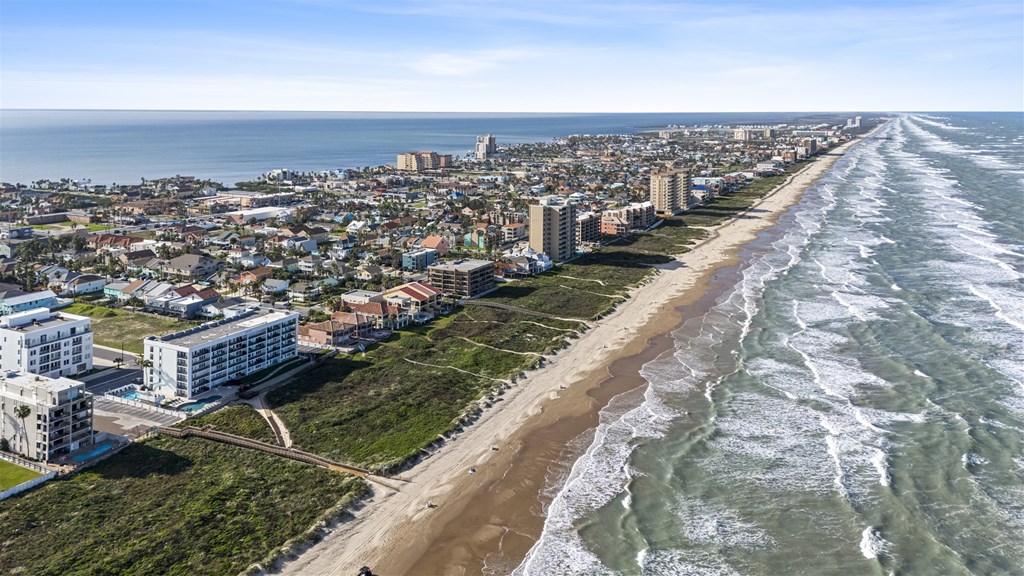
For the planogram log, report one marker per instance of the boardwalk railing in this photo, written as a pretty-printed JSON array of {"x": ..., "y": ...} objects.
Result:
[{"x": 241, "y": 442}]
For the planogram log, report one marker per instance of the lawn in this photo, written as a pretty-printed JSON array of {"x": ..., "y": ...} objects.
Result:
[
  {"x": 112, "y": 327},
  {"x": 11, "y": 475},
  {"x": 168, "y": 506}
]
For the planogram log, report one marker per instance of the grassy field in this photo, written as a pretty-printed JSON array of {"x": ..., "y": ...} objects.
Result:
[
  {"x": 11, "y": 475},
  {"x": 240, "y": 419},
  {"x": 378, "y": 408},
  {"x": 167, "y": 506},
  {"x": 111, "y": 327}
]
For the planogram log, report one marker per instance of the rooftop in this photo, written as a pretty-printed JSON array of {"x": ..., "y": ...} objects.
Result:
[
  {"x": 463, "y": 265},
  {"x": 212, "y": 331},
  {"x": 28, "y": 381}
]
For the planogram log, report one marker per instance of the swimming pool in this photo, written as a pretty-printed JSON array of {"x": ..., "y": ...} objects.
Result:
[
  {"x": 133, "y": 395},
  {"x": 193, "y": 406},
  {"x": 92, "y": 453}
]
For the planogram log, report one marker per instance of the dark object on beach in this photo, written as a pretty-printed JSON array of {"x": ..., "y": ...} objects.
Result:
[{"x": 365, "y": 571}]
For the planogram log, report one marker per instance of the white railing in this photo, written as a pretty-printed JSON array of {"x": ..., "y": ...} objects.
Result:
[
  {"x": 144, "y": 406},
  {"x": 24, "y": 463}
]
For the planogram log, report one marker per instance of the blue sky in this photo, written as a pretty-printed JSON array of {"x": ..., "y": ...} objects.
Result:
[{"x": 512, "y": 55}]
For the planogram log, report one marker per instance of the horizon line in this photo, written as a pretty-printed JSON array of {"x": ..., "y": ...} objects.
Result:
[{"x": 494, "y": 111}]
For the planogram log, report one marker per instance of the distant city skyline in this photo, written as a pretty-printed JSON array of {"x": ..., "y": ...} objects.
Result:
[{"x": 482, "y": 56}]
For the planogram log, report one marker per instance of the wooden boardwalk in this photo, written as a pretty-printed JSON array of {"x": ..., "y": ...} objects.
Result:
[{"x": 242, "y": 442}]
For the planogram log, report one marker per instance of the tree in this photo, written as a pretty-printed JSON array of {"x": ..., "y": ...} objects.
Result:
[{"x": 22, "y": 412}]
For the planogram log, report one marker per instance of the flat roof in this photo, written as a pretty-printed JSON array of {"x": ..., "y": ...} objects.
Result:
[
  {"x": 56, "y": 320},
  {"x": 212, "y": 331},
  {"x": 463, "y": 265},
  {"x": 29, "y": 381}
]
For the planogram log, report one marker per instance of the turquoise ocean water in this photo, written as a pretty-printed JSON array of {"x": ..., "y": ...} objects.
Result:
[{"x": 854, "y": 404}]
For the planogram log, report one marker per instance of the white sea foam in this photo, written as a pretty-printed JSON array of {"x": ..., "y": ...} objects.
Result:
[{"x": 872, "y": 545}]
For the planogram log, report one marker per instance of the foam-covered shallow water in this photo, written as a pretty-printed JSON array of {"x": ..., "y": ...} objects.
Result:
[{"x": 853, "y": 405}]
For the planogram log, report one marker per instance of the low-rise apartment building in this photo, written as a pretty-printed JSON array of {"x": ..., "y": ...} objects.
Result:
[
  {"x": 13, "y": 301},
  {"x": 465, "y": 278},
  {"x": 51, "y": 344},
  {"x": 193, "y": 361},
  {"x": 58, "y": 419}
]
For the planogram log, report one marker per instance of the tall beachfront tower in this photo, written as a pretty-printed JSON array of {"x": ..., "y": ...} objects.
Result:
[
  {"x": 486, "y": 145},
  {"x": 671, "y": 190},
  {"x": 553, "y": 228}
]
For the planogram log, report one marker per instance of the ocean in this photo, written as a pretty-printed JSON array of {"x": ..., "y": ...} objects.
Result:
[
  {"x": 110, "y": 146},
  {"x": 852, "y": 404}
]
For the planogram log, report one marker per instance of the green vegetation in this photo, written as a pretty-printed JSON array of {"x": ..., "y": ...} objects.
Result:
[
  {"x": 11, "y": 475},
  {"x": 267, "y": 373},
  {"x": 113, "y": 327},
  {"x": 168, "y": 506},
  {"x": 379, "y": 408},
  {"x": 98, "y": 227},
  {"x": 240, "y": 419}
]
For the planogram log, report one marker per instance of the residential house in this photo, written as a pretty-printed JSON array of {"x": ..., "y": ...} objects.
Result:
[
  {"x": 304, "y": 292},
  {"x": 341, "y": 329},
  {"x": 12, "y": 301},
  {"x": 191, "y": 266}
]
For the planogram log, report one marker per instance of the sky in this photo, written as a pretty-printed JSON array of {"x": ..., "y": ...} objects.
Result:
[{"x": 512, "y": 55}]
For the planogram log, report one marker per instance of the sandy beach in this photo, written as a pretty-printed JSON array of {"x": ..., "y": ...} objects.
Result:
[{"x": 486, "y": 521}]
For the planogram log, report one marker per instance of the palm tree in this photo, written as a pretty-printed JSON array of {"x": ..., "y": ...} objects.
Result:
[{"x": 22, "y": 412}]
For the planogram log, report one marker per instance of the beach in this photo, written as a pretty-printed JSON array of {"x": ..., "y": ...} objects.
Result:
[{"x": 486, "y": 520}]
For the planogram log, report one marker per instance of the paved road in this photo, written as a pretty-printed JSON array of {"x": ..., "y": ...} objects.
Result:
[
  {"x": 111, "y": 354},
  {"x": 110, "y": 379}
]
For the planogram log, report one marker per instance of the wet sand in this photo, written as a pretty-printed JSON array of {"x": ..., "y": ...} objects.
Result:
[{"x": 486, "y": 521}]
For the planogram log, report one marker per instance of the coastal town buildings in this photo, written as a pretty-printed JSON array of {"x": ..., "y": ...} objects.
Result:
[
  {"x": 199, "y": 359},
  {"x": 51, "y": 344},
  {"x": 43, "y": 418},
  {"x": 424, "y": 160},
  {"x": 553, "y": 228}
]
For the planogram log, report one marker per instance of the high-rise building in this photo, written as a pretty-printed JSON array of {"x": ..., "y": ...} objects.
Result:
[
  {"x": 671, "y": 191},
  {"x": 199, "y": 359},
  {"x": 58, "y": 420},
  {"x": 553, "y": 228},
  {"x": 486, "y": 145},
  {"x": 52, "y": 344},
  {"x": 769, "y": 133}
]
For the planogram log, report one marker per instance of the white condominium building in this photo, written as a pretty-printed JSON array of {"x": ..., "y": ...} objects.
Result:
[
  {"x": 47, "y": 343},
  {"x": 202, "y": 358},
  {"x": 58, "y": 418}
]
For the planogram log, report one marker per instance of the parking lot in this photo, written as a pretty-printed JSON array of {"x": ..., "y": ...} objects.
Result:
[{"x": 123, "y": 420}]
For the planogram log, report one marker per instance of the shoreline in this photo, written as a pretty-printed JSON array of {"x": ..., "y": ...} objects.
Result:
[{"x": 499, "y": 508}]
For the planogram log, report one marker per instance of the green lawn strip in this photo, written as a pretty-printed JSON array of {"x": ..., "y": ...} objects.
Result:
[
  {"x": 240, "y": 419},
  {"x": 167, "y": 506},
  {"x": 11, "y": 475},
  {"x": 112, "y": 327}
]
